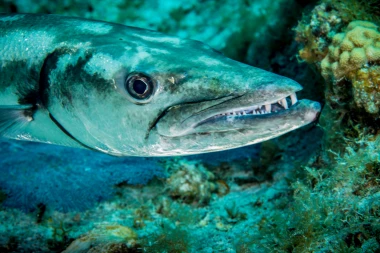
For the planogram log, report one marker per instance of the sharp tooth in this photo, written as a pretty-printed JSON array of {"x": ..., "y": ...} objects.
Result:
[
  {"x": 294, "y": 98},
  {"x": 268, "y": 108},
  {"x": 262, "y": 111},
  {"x": 244, "y": 113},
  {"x": 284, "y": 103},
  {"x": 253, "y": 112}
]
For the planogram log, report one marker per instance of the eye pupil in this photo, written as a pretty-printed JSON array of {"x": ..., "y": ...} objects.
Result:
[{"x": 139, "y": 87}]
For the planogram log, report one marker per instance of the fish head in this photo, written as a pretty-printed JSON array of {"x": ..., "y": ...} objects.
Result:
[{"x": 146, "y": 94}]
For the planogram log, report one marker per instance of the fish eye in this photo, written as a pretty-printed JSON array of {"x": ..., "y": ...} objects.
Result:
[{"x": 139, "y": 86}]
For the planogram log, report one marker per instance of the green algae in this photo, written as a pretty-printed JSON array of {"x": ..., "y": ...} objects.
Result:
[
  {"x": 168, "y": 239},
  {"x": 356, "y": 9},
  {"x": 333, "y": 207}
]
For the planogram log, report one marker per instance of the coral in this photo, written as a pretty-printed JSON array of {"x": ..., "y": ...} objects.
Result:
[
  {"x": 315, "y": 32},
  {"x": 366, "y": 87},
  {"x": 341, "y": 39},
  {"x": 104, "y": 238},
  {"x": 191, "y": 182},
  {"x": 334, "y": 208},
  {"x": 328, "y": 209},
  {"x": 76, "y": 185},
  {"x": 355, "y": 55}
]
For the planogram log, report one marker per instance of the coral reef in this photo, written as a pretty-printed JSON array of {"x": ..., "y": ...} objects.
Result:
[
  {"x": 341, "y": 39},
  {"x": 324, "y": 207},
  {"x": 316, "y": 30},
  {"x": 354, "y": 55},
  {"x": 333, "y": 208}
]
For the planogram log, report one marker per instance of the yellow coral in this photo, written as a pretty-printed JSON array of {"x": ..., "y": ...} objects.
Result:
[
  {"x": 359, "y": 42},
  {"x": 344, "y": 58},
  {"x": 357, "y": 36},
  {"x": 337, "y": 39},
  {"x": 346, "y": 45},
  {"x": 361, "y": 23},
  {"x": 373, "y": 53},
  {"x": 371, "y": 34},
  {"x": 366, "y": 84},
  {"x": 355, "y": 56},
  {"x": 358, "y": 58},
  {"x": 335, "y": 69},
  {"x": 103, "y": 236}
]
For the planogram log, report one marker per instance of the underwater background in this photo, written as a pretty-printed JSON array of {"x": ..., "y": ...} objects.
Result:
[{"x": 316, "y": 189}]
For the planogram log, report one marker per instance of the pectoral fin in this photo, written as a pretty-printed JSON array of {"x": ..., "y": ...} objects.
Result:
[{"x": 13, "y": 117}]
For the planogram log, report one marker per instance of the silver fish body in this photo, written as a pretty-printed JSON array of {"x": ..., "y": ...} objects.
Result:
[{"x": 128, "y": 91}]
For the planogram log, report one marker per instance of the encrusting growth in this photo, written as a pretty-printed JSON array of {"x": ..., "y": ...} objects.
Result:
[{"x": 355, "y": 56}]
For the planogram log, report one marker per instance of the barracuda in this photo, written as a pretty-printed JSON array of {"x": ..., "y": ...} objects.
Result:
[{"x": 132, "y": 92}]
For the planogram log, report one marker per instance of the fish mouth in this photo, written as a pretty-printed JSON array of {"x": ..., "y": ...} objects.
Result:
[
  {"x": 257, "y": 110},
  {"x": 280, "y": 113}
]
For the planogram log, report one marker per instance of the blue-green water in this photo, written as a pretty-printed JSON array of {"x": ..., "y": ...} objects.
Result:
[{"x": 315, "y": 189}]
